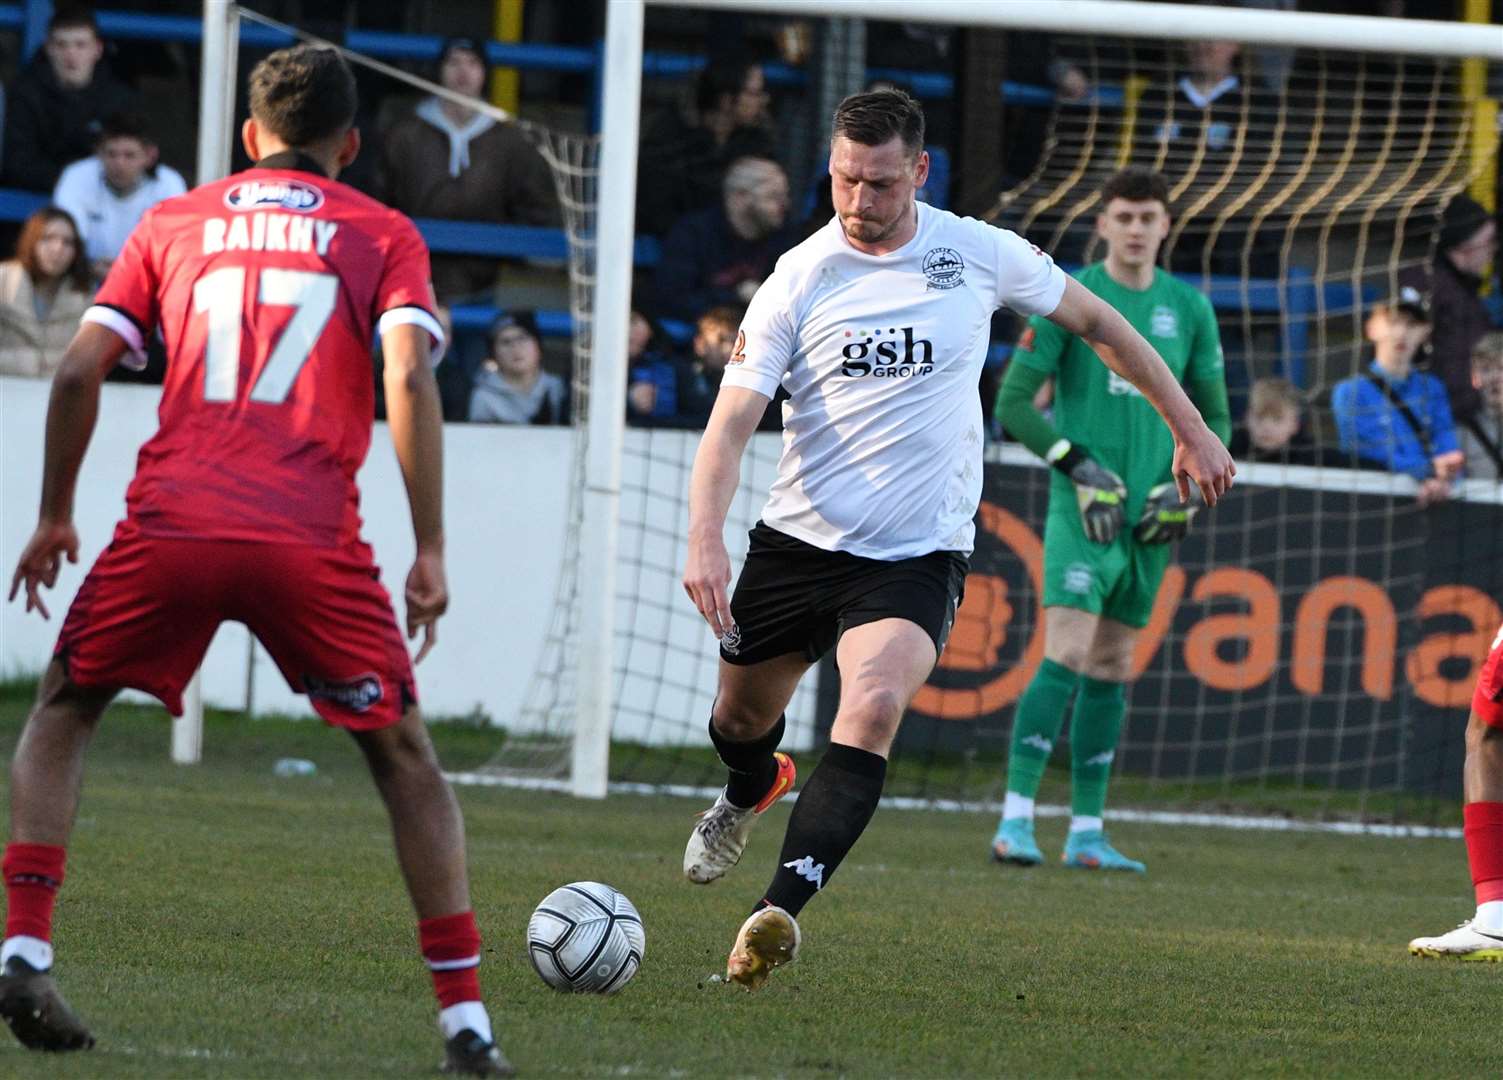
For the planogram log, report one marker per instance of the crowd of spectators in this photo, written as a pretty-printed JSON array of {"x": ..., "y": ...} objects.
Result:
[{"x": 714, "y": 188}]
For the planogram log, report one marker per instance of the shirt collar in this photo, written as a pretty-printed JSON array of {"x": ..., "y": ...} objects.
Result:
[
  {"x": 291, "y": 159},
  {"x": 1201, "y": 101}
]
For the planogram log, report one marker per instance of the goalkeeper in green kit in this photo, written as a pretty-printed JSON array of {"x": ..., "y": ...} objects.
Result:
[{"x": 1114, "y": 512}]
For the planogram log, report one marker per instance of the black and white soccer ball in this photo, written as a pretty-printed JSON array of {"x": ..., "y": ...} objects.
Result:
[{"x": 586, "y": 938}]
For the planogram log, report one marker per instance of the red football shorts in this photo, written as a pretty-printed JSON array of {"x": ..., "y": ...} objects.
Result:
[
  {"x": 146, "y": 613},
  {"x": 1487, "y": 702}
]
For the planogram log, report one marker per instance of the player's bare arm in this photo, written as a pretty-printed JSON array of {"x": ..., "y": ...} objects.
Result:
[
  {"x": 717, "y": 471},
  {"x": 71, "y": 413},
  {"x": 1199, "y": 455},
  {"x": 416, "y": 422}
]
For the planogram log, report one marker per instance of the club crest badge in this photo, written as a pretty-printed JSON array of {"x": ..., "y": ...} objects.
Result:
[{"x": 944, "y": 268}]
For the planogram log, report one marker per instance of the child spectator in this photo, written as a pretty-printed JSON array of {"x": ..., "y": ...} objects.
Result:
[
  {"x": 55, "y": 105},
  {"x": 1393, "y": 417},
  {"x": 43, "y": 291},
  {"x": 511, "y": 387},
  {"x": 652, "y": 375},
  {"x": 1273, "y": 430},
  {"x": 108, "y": 192}
]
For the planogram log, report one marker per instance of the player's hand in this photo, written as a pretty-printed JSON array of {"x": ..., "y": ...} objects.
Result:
[
  {"x": 41, "y": 559},
  {"x": 1165, "y": 519},
  {"x": 427, "y": 599},
  {"x": 1100, "y": 493},
  {"x": 707, "y": 579},
  {"x": 1201, "y": 460}
]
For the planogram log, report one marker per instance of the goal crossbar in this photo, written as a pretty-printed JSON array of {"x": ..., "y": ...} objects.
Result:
[{"x": 1135, "y": 18}]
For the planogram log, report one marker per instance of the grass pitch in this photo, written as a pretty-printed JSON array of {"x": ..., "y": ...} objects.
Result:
[{"x": 220, "y": 922}]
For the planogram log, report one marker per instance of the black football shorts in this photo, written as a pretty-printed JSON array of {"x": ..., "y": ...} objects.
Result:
[{"x": 793, "y": 597}]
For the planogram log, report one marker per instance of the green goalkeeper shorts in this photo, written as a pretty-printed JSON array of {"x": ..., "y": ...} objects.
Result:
[{"x": 1119, "y": 580}]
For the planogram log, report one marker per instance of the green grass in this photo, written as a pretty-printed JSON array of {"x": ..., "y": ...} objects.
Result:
[{"x": 220, "y": 922}]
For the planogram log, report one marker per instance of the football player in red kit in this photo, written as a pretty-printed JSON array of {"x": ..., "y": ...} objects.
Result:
[
  {"x": 268, "y": 288},
  {"x": 1481, "y": 936}
]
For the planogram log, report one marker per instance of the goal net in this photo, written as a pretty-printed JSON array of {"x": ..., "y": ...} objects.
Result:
[{"x": 1312, "y": 648}]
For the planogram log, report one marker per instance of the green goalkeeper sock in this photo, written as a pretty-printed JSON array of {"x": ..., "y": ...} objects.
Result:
[
  {"x": 1095, "y": 727},
  {"x": 1035, "y": 726}
]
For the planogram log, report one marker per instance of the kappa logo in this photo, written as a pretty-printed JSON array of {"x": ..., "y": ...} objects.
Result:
[
  {"x": 730, "y": 641},
  {"x": 808, "y": 869},
  {"x": 738, "y": 351},
  {"x": 1038, "y": 742},
  {"x": 357, "y": 694},
  {"x": 1103, "y": 758},
  {"x": 295, "y": 195},
  {"x": 944, "y": 268}
]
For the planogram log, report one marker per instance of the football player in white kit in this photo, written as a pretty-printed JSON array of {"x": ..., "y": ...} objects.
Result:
[{"x": 877, "y": 326}]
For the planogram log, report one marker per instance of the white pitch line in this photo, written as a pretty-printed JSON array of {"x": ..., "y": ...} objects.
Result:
[{"x": 1242, "y": 822}]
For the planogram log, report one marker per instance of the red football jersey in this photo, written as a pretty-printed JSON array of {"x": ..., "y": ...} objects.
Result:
[{"x": 268, "y": 287}]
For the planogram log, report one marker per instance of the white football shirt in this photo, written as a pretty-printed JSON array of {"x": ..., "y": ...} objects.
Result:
[
  {"x": 881, "y": 356},
  {"x": 104, "y": 219}
]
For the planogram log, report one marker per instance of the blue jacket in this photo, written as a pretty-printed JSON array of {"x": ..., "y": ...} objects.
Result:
[{"x": 1375, "y": 431}]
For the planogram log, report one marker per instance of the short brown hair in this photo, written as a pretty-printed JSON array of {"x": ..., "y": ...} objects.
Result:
[
  {"x": 874, "y": 117},
  {"x": 1488, "y": 352},
  {"x": 303, "y": 95},
  {"x": 1272, "y": 395},
  {"x": 723, "y": 316},
  {"x": 74, "y": 17},
  {"x": 1136, "y": 184},
  {"x": 31, "y": 235}
]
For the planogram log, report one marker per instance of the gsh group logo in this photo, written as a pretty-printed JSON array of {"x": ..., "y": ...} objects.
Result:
[{"x": 881, "y": 355}]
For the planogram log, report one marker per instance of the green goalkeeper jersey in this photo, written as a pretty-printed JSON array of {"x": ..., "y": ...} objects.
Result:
[{"x": 1098, "y": 410}]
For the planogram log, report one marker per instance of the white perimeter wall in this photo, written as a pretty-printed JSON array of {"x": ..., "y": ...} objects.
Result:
[{"x": 505, "y": 500}]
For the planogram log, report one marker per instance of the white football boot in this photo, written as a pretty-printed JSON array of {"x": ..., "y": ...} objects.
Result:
[
  {"x": 1466, "y": 942},
  {"x": 720, "y": 835}
]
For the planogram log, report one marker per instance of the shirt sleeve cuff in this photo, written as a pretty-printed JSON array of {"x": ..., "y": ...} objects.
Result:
[
  {"x": 766, "y": 385},
  {"x": 1054, "y": 293},
  {"x": 127, "y": 330},
  {"x": 415, "y": 316}
]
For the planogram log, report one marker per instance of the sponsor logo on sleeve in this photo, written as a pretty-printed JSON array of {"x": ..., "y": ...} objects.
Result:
[
  {"x": 944, "y": 268},
  {"x": 1029, "y": 337},
  {"x": 295, "y": 195},
  {"x": 738, "y": 351}
]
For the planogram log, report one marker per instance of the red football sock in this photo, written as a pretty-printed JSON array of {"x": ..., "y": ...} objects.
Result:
[
  {"x": 451, "y": 947},
  {"x": 33, "y": 874},
  {"x": 1484, "y": 848}
]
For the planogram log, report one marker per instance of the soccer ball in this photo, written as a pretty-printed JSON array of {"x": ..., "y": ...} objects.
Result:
[{"x": 586, "y": 938}]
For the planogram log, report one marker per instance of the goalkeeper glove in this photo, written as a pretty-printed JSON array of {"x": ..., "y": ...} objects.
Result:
[
  {"x": 1165, "y": 519},
  {"x": 1099, "y": 491}
]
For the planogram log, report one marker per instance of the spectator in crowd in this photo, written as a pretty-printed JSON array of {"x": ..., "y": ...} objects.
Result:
[
  {"x": 1272, "y": 431},
  {"x": 1392, "y": 416},
  {"x": 684, "y": 161},
  {"x": 43, "y": 291},
  {"x": 653, "y": 374},
  {"x": 1467, "y": 243},
  {"x": 511, "y": 387},
  {"x": 108, "y": 192},
  {"x": 1205, "y": 103},
  {"x": 1482, "y": 431},
  {"x": 720, "y": 255},
  {"x": 714, "y": 341},
  {"x": 55, "y": 105},
  {"x": 447, "y": 161}
]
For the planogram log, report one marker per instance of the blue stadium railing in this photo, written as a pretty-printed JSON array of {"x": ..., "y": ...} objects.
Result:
[{"x": 1296, "y": 298}]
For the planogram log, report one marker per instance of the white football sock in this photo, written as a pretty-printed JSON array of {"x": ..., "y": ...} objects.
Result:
[
  {"x": 1017, "y": 806},
  {"x": 1079, "y": 823},
  {"x": 467, "y": 1015},
  {"x": 1489, "y": 917},
  {"x": 33, "y": 950}
]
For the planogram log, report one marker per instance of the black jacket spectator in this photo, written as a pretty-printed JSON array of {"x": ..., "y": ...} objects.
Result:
[
  {"x": 49, "y": 125},
  {"x": 718, "y": 256}
]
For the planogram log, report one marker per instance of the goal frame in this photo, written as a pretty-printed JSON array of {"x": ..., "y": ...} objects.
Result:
[{"x": 618, "y": 168}]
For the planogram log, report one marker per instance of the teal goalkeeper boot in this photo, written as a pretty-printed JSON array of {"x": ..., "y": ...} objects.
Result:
[
  {"x": 1088, "y": 850},
  {"x": 1014, "y": 843}
]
